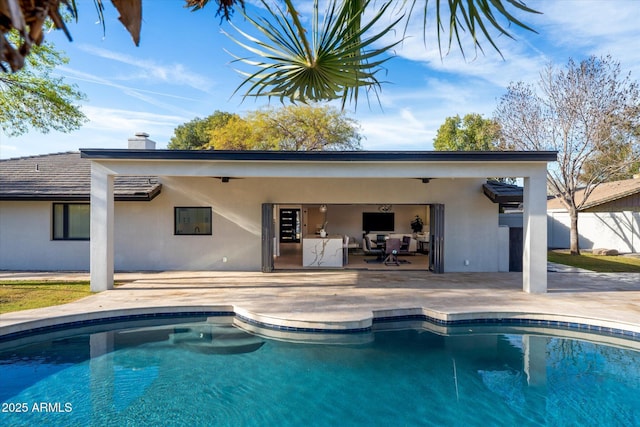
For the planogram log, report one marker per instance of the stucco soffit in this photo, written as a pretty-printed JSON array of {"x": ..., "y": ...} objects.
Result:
[{"x": 307, "y": 169}]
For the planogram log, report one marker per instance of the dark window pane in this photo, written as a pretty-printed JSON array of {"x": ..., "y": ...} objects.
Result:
[
  {"x": 193, "y": 221},
  {"x": 71, "y": 221}
]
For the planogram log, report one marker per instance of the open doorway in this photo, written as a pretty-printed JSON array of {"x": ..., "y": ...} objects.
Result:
[
  {"x": 288, "y": 246},
  {"x": 333, "y": 235}
]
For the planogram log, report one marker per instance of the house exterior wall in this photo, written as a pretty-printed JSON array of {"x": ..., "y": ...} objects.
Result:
[
  {"x": 144, "y": 231},
  {"x": 26, "y": 244},
  {"x": 610, "y": 230}
]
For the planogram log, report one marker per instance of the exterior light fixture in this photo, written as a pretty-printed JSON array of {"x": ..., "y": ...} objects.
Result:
[{"x": 323, "y": 208}]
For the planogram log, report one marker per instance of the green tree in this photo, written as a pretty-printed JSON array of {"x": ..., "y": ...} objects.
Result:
[
  {"x": 471, "y": 133},
  {"x": 35, "y": 99},
  {"x": 610, "y": 163},
  {"x": 195, "y": 134},
  {"x": 307, "y": 128},
  {"x": 240, "y": 134},
  {"x": 581, "y": 111},
  {"x": 290, "y": 128}
]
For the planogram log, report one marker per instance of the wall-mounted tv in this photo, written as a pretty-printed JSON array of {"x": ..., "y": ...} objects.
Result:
[{"x": 378, "y": 221}]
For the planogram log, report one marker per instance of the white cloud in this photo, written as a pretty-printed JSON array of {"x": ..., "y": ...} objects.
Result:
[
  {"x": 94, "y": 78},
  {"x": 7, "y": 150},
  {"x": 395, "y": 132},
  {"x": 520, "y": 60},
  {"x": 595, "y": 27},
  {"x": 107, "y": 128},
  {"x": 589, "y": 26},
  {"x": 148, "y": 96},
  {"x": 583, "y": 21},
  {"x": 129, "y": 121},
  {"x": 411, "y": 117},
  {"x": 174, "y": 74}
]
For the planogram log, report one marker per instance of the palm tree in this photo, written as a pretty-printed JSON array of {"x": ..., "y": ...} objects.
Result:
[
  {"x": 334, "y": 60},
  {"x": 337, "y": 58}
]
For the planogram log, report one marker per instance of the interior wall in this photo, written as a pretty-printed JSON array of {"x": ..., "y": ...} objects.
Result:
[
  {"x": 313, "y": 220},
  {"x": 347, "y": 219}
]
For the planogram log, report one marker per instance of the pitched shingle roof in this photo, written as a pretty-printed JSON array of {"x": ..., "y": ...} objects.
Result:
[
  {"x": 603, "y": 193},
  {"x": 64, "y": 177}
]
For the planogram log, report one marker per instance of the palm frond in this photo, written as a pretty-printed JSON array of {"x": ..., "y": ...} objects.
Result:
[
  {"x": 334, "y": 61},
  {"x": 477, "y": 17}
]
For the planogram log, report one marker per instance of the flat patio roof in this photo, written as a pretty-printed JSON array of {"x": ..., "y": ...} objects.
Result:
[{"x": 332, "y": 156}]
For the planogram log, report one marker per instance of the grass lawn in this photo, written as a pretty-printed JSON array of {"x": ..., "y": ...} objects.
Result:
[
  {"x": 19, "y": 295},
  {"x": 601, "y": 264}
]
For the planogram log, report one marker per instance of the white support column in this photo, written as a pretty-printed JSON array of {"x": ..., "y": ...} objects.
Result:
[
  {"x": 101, "y": 229},
  {"x": 534, "y": 257},
  {"x": 534, "y": 350}
]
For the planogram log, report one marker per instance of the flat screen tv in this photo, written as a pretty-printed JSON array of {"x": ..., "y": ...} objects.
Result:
[{"x": 378, "y": 221}]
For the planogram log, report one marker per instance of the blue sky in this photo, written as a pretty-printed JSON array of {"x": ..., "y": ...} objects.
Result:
[{"x": 180, "y": 71}]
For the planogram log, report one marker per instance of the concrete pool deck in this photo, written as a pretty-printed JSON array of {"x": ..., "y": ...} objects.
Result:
[{"x": 344, "y": 300}]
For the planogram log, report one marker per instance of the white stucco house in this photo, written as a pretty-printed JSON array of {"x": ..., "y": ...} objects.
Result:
[{"x": 148, "y": 209}]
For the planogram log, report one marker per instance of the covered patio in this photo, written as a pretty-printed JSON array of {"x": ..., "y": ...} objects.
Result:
[{"x": 268, "y": 178}]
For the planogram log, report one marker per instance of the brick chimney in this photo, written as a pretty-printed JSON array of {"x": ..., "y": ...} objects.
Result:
[{"x": 141, "y": 142}]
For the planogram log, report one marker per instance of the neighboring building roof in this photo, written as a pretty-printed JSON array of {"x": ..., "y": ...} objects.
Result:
[
  {"x": 607, "y": 197},
  {"x": 65, "y": 177}
]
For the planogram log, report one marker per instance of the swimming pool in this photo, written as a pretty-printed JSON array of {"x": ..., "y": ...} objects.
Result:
[{"x": 206, "y": 371}]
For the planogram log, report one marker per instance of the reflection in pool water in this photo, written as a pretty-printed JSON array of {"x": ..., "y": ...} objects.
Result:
[{"x": 211, "y": 373}]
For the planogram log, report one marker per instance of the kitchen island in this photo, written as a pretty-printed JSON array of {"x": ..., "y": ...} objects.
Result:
[{"x": 322, "y": 251}]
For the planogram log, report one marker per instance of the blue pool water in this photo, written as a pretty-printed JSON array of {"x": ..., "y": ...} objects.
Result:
[{"x": 199, "y": 373}]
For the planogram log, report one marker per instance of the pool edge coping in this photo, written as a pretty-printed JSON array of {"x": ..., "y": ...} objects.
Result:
[{"x": 346, "y": 326}]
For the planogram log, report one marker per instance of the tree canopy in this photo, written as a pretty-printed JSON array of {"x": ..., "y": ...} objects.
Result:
[
  {"x": 470, "y": 133},
  {"x": 195, "y": 134},
  {"x": 291, "y": 128},
  {"x": 614, "y": 160},
  {"x": 589, "y": 112},
  {"x": 35, "y": 99}
]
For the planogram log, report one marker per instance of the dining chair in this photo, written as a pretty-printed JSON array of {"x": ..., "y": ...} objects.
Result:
[
  {"x": 345, "y": 250},
  {"x": 406, "y": 242},
  {"x": 391, "y": 250},
  {"x": 368, "y": 250}
]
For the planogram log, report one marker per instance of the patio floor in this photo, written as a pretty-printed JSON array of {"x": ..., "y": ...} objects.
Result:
[{"x": 339, "y": 300}]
